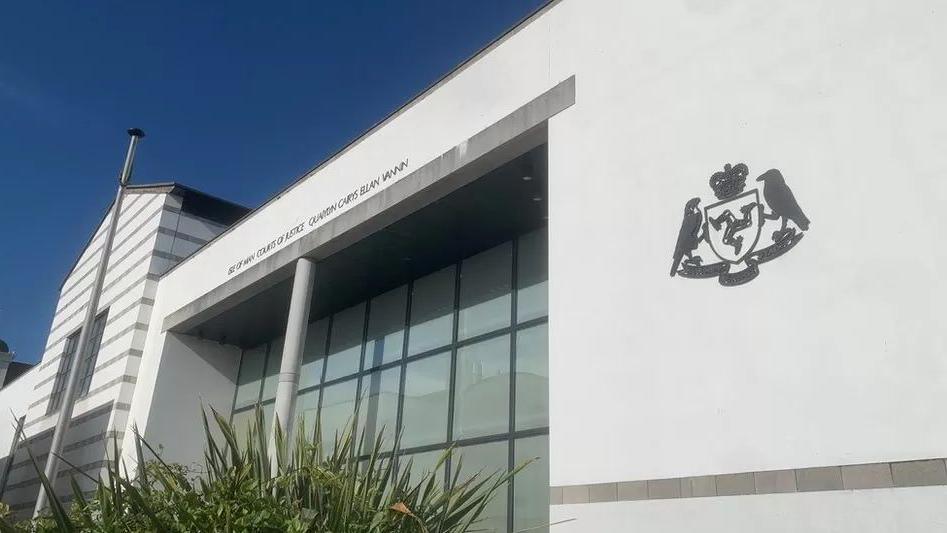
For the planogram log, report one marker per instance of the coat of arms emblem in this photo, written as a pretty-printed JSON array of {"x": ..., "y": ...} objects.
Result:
[{"x": 732, "y": 227}]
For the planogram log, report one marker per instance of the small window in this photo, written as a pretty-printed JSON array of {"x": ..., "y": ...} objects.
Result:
[
  {"x": 65, "y": 364},
  {"x": 87, "y": 367},
  {"x": 92, "y": 354}
]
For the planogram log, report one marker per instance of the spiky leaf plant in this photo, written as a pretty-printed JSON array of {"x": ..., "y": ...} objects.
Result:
[{"x": 302, "y": 485}]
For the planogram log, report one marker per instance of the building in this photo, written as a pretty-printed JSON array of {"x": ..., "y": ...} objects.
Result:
[
  {"x": 10, "y": 370},
  {"x": 159, "y": 225},
  {"x": 491, "y": 270}
]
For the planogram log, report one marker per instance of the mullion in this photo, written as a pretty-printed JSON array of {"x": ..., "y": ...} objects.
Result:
[
  {"x": 266, "y": 365},
  {"x": 322, "y": 379},
  {"x": 452, "y": 383},
  {"x": 399, "y": 419},
  {"x": 360, "y": 376},
  {"x": 511, "y": 451},
  {"x": 240, "y": 371}
]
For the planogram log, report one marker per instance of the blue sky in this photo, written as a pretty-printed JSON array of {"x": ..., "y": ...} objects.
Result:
[{"x": 237, "y": 98}]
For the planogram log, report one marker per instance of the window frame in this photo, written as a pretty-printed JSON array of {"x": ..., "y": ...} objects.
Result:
[{"x": 67, "y": 359}]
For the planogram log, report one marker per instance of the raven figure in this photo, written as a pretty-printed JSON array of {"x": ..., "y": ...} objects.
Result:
[
  {"x": 687, "y": 238},
  {"x": 781, "y": 201}
]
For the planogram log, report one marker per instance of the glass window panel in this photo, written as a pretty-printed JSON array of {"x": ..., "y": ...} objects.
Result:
[
  {"x": 485, "y": 284},
  {"x": 422, "y": 464},
  {"x": 338, "y": 408},
  {"x": 345, "y": 343},
  {"x": 314, "y": 354},
  {"x": 378, "y": 410},
  {"x": 432, "y": 311},
  {"x": 307, "y": 410},
  {"x": 532, "y": 299},
  {"x": 386, "y": 327},
  {"x": 91, "y": 354},
  {"x": 65, "y": 364},
  {"x": 268, "y": 410},
  {"x": 532, "y": 377},
  {"x": 251, "y": 372},
  {"x": 531, "y": 485},
  {"x": 426, "y": 386},
  {"x": 485, "y": 460},
  {"x": 241, "y": 422},
  {"x": 482, "y": 402},
  {"x": 271, "y": 378}
]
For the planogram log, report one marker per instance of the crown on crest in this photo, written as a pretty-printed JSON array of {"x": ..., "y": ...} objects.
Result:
[{"x": 729, "y": 182}]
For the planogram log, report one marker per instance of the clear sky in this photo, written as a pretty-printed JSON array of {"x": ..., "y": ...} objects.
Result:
[{"x": 238, "y": 100}]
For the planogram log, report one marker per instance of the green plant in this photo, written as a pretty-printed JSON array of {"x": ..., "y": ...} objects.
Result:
[{"x": 303, "y": 486}]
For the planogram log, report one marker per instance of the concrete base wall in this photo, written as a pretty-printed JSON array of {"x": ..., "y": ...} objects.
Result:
[{"x": 905, "y": 510}]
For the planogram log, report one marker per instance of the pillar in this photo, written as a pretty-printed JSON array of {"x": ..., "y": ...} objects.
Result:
[{"x": 294, "y": 342}]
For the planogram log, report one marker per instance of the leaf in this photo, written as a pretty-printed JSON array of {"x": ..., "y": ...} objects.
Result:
[{"x": 400, "y": 507}]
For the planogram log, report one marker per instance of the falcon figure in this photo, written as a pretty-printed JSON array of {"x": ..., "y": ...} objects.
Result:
[{"x": 687, "y": 237}]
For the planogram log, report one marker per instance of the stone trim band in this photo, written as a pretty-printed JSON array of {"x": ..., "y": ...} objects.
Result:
[{"x": 925, "y": 472}]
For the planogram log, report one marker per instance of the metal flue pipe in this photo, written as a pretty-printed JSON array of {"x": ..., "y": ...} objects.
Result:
[{"x": 82, "y": 348}]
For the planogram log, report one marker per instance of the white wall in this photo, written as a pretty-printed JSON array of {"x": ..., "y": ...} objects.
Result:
[
  {"x": 14, "y": 401},
  {"x": 835, "y": 354},
  {"x": 193, "y": 374}
]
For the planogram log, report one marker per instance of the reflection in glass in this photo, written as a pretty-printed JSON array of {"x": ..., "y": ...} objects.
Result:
[
  {"x": 92, "y": 353},
  {"x": 532, "y": 377},
  {"x": 426, "y": 386},
  {"x": 307, "y": 409},
  {"x": 268, "y": 410},
  {"x": 378, "y": 409},
  {"x": 531, "y": 485},
  {"x": 241, "y": 422},
  {"x": 386, "y": 327},
  {"x": 345, "y": 344},
  {"x": 532, "y": 300},
  {"x": 314, "y": 353},
  {"x": 485, "y": 460},
  {"x": 481, "y": 376},
  {"x": 338, "y": 410},
  {"x": 421, "y": 464},
  {"x": 482, "y": 401},
  {"x": 432, "y": 311},
  {"x": 271, "y": 379},
  {"x": 251, "y": 372},
  {"x": 485, "y": 283}
]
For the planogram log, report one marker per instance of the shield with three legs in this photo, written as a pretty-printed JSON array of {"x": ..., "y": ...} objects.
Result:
[{"x": 733, "y": 226}]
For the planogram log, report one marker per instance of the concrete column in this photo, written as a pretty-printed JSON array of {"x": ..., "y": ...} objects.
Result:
[{"x": 295, "y": 340}]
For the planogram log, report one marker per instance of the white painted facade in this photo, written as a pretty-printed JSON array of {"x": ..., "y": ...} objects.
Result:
[
  {"x": 153, "y": 234},
  {"x": 15, "y": 398},
  {"x": 833, "y": 356}
]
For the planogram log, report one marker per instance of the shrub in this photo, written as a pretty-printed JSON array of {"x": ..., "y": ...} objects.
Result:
[{"x": 302, "y": 486}]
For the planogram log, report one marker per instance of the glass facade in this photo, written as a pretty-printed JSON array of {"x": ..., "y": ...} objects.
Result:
[{"x": 455, "y": 357}]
